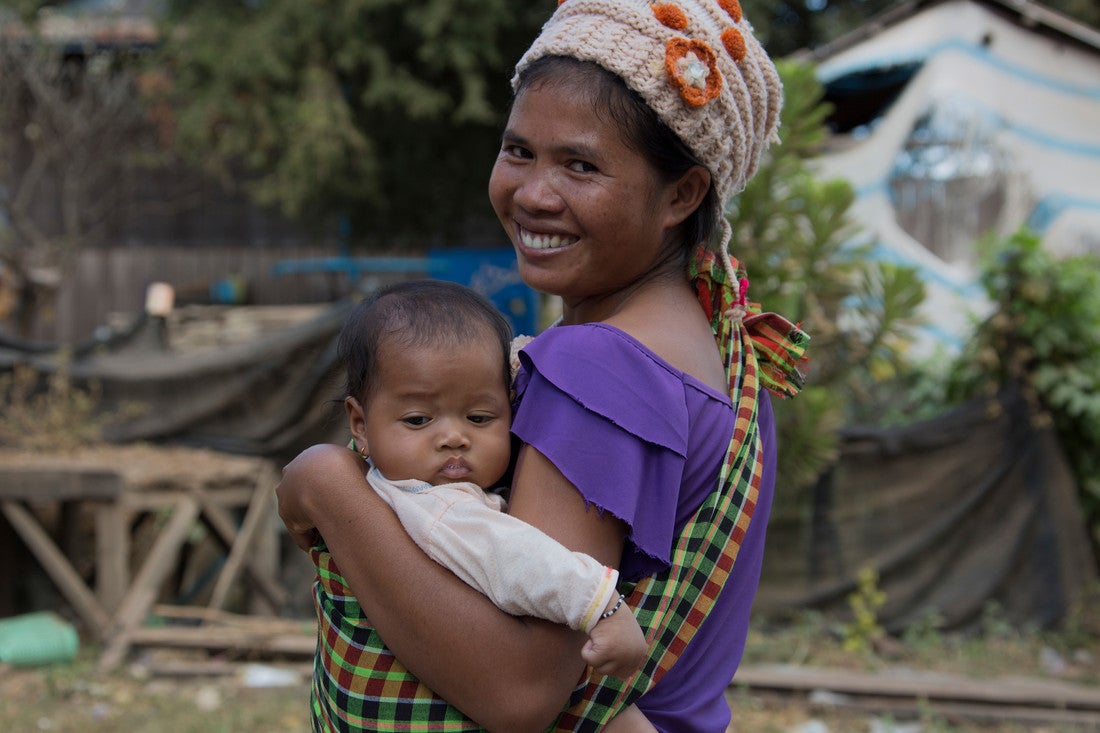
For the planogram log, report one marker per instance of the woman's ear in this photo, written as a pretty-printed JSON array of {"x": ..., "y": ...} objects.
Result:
[
  {"x": 687, "y": 194},
  {"x": 357, "y": 424}
]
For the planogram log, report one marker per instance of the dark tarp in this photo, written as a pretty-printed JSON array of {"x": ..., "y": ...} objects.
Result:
[
  {"x": 975, "y": 506},
  {"x": 271, "y": 396}
]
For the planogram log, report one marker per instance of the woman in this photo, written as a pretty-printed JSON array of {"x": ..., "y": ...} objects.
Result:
[{"x": 646, "y": 440}]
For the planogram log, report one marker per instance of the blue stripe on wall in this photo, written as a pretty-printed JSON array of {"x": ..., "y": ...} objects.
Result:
[{"x": 908, "y": 56}]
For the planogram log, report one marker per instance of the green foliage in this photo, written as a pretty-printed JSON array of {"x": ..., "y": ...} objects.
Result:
[
  {"x": 52, "y": 411},
  {"x": 789, "y": 25},
  {"x": 1044, "y": 337},
  {"x": 25, "y": 9},
  {"x": 57, "y": 418},
  {"x": 386, "y": 112},
  {"x": 863, "y": 630},
  {"x": 926, "y": 632},
  {"x": 995, "y": 624},
  {"x": 801, "y": 248}
]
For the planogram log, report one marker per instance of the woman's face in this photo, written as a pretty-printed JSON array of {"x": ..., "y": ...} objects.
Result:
[{"x": 587, "y": 214}]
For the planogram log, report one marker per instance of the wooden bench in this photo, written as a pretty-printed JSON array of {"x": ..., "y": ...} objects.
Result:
[{"x": 119, "y": 483}]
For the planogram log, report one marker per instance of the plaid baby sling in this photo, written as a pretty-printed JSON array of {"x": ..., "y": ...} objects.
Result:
[{"x": 360, "y": 686}]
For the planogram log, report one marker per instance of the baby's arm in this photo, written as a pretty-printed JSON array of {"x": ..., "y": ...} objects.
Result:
[
  {"x": 616, "y": 645},
  {"x": 521, "y": 569}
]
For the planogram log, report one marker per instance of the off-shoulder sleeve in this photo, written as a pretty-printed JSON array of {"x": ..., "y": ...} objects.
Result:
[{"x": 614, "y": 421}]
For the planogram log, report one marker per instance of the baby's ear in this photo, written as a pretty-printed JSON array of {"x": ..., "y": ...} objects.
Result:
[{"x": 357, "y": 425}]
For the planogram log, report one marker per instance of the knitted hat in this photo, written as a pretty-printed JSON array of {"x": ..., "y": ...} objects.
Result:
[{"x": 696, "y": 63}]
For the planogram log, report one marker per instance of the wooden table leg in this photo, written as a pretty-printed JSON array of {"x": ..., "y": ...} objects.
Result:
[
  {"x": 112, "y": 554},
  {"x": 68, "y": 581},
  {"x": 239, "y": 543},
  {"x": 161, "y": 559}
]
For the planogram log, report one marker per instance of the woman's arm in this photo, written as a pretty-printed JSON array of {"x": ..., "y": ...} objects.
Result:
[{"x": 507, "y": 673}]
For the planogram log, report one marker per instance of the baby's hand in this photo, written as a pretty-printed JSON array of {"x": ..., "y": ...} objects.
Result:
[{"x": 616, "y": 645}]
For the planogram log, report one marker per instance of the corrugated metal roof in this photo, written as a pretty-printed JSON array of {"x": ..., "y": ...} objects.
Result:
[{"x": 1027, "y": 13}]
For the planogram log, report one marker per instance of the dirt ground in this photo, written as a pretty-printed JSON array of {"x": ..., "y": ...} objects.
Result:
[
  {"x": 154, "y": 691},
  {"x": 271, "y": 697}
]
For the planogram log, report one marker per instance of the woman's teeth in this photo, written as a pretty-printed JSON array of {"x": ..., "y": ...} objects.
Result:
[{"x": 544, "y": 241}]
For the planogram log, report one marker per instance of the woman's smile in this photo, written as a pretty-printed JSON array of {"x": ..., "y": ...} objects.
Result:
[{"x": 535, "y": 240}]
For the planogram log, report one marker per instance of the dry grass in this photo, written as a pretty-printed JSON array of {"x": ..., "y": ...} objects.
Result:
[{"x": 72, "y": 699}]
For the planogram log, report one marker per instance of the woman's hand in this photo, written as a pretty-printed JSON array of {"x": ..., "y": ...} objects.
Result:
[
  {"x": 505, "y": 672},
  {"x": 302, "y": 478},
  {"x": 508, "y": 673}
]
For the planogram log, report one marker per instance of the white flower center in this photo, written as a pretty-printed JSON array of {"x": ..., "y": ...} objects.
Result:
[{"x": 694, "y": 70}]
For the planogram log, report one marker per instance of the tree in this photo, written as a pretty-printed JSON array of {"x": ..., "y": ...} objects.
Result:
[
  {"x": 786, "y": 26},
  {"x": 383, "y": 113},
  {"x": 805, "y": 260},
  {"x": 73, "y": 132},
  {"x": 1043, "y": 337}
]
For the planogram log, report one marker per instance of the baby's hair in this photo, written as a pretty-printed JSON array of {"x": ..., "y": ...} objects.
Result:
[
  {"x": 643, "y": 129},
  {"x": 418, "y": 313}
]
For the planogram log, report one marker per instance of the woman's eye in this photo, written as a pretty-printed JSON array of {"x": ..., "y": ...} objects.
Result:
[
  {"x": 416, "y": 421},
  {"x": 517, "y": 151},
  {"x": 582, "y": 166}
]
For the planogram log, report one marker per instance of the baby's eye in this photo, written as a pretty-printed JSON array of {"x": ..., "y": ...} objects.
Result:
[
  {"x": 480, "y": 419},
  {"x": 416, "y": 421}
]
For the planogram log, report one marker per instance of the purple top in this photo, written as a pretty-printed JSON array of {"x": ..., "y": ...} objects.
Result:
[{"x": 645, "y": 441}]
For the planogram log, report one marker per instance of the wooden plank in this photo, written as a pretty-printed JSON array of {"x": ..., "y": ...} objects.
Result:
[
  {"x": 147, "y": 501},
  {"x": 142, "y": 594},
  {"x": 229, "y": 639},
  {"x": 259, "y": 508},
  {"x": 239, "y": 544},
  {"x": 265, "y": 557},
  {"x": 112, "y": 552},
  {"x": 225, "y": 619},
  {"x": 46, "y": 484},
  {"x": 931, "y": 686},
  {"x": 55, "y": 563},
  {"x": 916, "y": 707}
]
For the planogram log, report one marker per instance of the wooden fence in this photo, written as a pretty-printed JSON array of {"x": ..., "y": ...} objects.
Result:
[{"x": 108, "y": 286}]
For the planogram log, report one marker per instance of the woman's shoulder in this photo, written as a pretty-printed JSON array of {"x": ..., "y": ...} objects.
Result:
[
  {"x": 608, "y": 374},
  {"x": 672, "y": 326},
  {"x": 611, "y": 374},
  {"x": 606, "y": 352},
  {"x": 601, "y": 351}
]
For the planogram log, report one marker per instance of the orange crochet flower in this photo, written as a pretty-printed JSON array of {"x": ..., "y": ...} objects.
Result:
[
  {"x": 734, "y": 43},
  {"x": 733, "y": 7},
  {"x": 670, "y": 15},
  {"x": 692, "y": 68}
]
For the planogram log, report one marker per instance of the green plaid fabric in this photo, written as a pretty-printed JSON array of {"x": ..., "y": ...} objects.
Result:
[
  {"x": 359, "y": 685},
  {"x": 759, "y": 351}
]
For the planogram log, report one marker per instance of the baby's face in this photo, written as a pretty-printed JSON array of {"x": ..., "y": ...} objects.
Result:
[{"x": 439, "y": 415}]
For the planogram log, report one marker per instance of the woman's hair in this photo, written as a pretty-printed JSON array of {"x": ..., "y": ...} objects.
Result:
[
  {"x": 418, "y": 313},
  {"x": 641, "y": 127}
]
